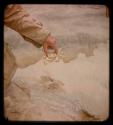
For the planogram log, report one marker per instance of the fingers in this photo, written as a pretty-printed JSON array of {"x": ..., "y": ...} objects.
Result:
[
  {"x": 50, "y": 43},
  {"x": 55, "y": 49},
  {"x": 45, "y": 48},
  {"x": 53, "y": 45}
]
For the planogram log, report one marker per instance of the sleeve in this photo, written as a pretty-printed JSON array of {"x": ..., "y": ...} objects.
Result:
[{"x": 19, "y": 20}]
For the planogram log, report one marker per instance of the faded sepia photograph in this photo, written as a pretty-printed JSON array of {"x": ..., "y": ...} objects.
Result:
[{"x": 56, "y": 62}]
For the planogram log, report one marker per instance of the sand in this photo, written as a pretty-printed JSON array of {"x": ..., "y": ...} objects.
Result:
[{"x": 72, "y": 86}]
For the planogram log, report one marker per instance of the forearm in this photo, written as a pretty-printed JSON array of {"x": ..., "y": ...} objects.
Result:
[{"x": 18, "y": 19}]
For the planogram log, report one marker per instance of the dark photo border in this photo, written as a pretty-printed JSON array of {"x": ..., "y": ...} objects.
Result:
[{"x": 3, "y": 3}]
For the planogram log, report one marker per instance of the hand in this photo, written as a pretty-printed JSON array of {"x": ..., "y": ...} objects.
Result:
[{"x": 50, "y": 43}]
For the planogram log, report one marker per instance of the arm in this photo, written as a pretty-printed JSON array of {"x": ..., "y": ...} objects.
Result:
[{"x": 18, "y": 19}]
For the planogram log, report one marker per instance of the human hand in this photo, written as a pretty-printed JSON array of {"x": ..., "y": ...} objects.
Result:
[{"x": 50, "y": 43}]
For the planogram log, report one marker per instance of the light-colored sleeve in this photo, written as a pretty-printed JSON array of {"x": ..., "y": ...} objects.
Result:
[{"x": 19, "y": 20}]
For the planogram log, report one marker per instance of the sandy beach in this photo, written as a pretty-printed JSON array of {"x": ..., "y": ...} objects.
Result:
[{"x": 74, "y": 86}]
